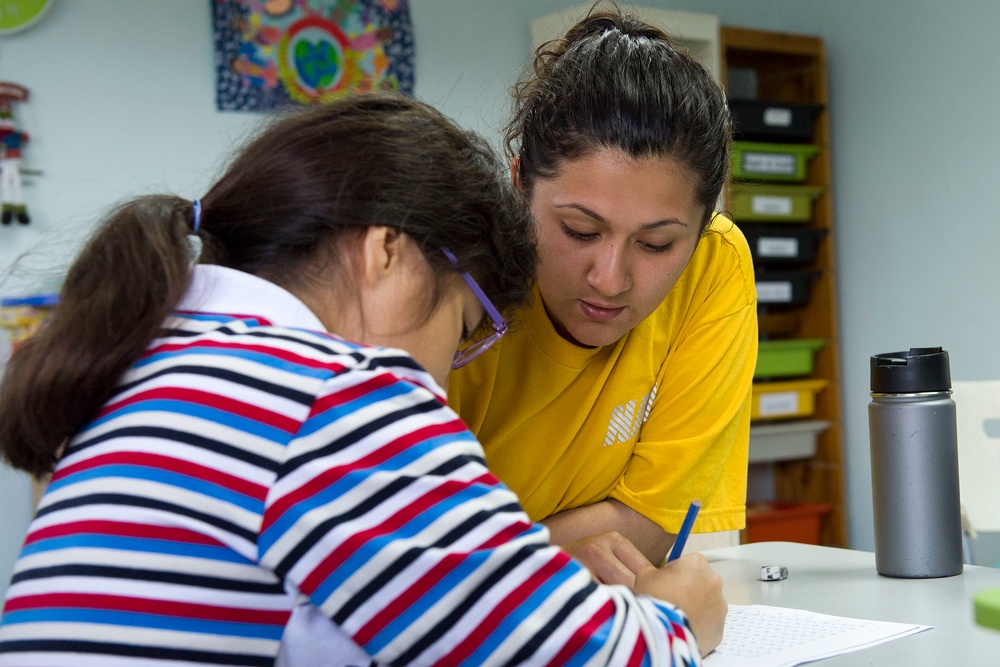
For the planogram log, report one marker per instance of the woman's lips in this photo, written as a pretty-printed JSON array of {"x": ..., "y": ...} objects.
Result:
[{"x": 599, "y": 313}]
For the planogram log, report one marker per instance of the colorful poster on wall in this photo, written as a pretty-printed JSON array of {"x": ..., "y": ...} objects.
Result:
[{"x": 270, "y": 53}]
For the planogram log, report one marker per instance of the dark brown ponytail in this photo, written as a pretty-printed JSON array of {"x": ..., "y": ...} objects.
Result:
[{"x": 116, "y": 295}]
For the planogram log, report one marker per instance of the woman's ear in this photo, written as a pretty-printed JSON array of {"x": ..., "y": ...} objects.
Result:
[{"x": 515, "y": 172}]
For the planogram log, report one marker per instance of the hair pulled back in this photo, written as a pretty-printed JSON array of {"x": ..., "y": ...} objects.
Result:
[
  {"x": 311, "y": 179},
  {"x": 614, "y": 81}
]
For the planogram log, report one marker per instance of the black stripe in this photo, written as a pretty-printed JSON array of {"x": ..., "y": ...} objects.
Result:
[
  {"x": 529, "y": 648},
  {"x": 131, "y": 573},
  {"x": 450, "y": 621},
  {"x": 126, "y": 500},
  {"x": 394, "y": 361},
  {"x": 401, "y": 563},
  {"x": 321, "y": 530},
  {"x": 347, "y": 439},
  {"x": 241, "y": 379},
  {"x": 134, "y": 651},
  {"x": 174, "y": 435},
  {"x": 304, "y": 340},
  {"x": 364, "y": 506}
]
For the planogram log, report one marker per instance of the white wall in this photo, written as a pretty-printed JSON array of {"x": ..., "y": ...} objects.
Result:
[{"x": 123, "y": 104}]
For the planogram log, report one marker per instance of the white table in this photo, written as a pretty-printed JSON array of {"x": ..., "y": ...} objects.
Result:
[{"x": 844, "y": 582}]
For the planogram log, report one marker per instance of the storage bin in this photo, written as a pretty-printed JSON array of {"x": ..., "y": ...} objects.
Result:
[
  {"x": 785, "y": 288},
  {"x": 782, "y": 244},
  {"x": 785, "y": 522},
  {"x": 784, "y": 400},
  {"x": 754, "y": 202},
  {"x": 22, "y": 317},
  {"x": 761, "y": 161},
  {"x": 781, "y": 324},
  {"x": 786, "y": 358},
  {"x": 760, "y": 120},
  {"x": 785, "y": 441}
]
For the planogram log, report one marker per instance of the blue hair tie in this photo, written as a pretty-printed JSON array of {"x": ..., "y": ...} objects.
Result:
[{"x": 196, "y": 225}]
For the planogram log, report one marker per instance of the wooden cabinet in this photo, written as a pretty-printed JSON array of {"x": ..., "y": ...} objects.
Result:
[{"x": 792, "y": 69}]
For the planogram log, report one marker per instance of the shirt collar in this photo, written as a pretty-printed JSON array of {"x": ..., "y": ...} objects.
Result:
[{"x": 218, "y": 289}]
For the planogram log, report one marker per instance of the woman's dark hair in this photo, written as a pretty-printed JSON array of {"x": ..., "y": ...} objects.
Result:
[
  {"x": 310, "y": 179},
  {"x": 615, "y": 82}
]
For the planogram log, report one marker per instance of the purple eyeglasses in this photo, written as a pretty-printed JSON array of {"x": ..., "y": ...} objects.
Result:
[{"x": 465, "y": 355}]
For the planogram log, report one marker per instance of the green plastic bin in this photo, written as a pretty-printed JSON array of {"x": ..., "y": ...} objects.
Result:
[
  {"x": 772, "y": 203},
  {"x": 760, "y": 161},
  {"x": 786, "y": 358}
]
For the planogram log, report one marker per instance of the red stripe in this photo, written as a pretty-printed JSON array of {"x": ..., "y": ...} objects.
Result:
[
  {"x": 122, "y": 529},
  {"x": 638, "y": 653},
  {"x": 507, "y": 604},
  {"x": 507, "y": 534},
  {"x": 349, "y": 546},
  {"x": 427, "y": 581},
  {"x": 330, "y": 476},
  {"x": 207, "y": 399},
  {"x": 583, "y": 635},
  {"x": 148, "y": 606},
  {"x": 160, "y": 462},
  {"x": 348, "y": 394},
  {"x": 228, "y": 344}
]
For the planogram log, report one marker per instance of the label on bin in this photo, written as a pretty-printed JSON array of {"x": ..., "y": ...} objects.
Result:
[
  {"x": 778, "y": 403},
  {"x": 774, "y": 291},
  {"x": 777, "y": 247},
  {"x": 784, "y": 164},
  {"x": 771, "y": 205},
  {"x": 777, "y": 117}
]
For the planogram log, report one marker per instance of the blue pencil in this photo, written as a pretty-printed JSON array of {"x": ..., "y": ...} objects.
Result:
[{"x": 682, "y": 536}]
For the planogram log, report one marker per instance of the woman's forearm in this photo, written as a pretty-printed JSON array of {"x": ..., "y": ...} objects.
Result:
[{"x": 611, "y": 515}]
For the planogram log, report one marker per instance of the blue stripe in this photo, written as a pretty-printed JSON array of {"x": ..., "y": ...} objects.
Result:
[
  {"x": 179, "y": 407},
  {"x": 134, "y": 619},
  {"x": 597, "y": 641},
  {"x": 214, "y": 317},
  {"x": 457, "y": 578},
  {"x": 386, "y": 395},
  {"x": 337, "y": 492},
  {"x": 144, "y": 545},
  {"x": 516, "y": 617},
  {"x": 170, "y": 478},
  {"x": 370, "y": 549},
  {"x": 269, "y": 360}
]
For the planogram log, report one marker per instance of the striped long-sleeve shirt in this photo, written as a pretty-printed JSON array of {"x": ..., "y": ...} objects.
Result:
[{"x": 250, "y": 462}]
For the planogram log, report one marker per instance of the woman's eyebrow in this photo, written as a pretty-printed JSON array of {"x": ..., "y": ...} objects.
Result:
[{"x": 600, "y": 218}]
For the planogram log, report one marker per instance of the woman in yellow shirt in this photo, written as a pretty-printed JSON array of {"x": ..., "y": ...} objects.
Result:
[{"x": 624, "y": 392}]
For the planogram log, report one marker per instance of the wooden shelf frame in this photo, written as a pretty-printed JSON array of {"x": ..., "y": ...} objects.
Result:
[{"x": 792, "y": 68}]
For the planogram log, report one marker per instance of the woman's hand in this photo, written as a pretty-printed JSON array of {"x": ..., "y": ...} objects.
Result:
[
  {"x": 692, "y": 585},
  {"x": 609, "y": 515},
  {"x": 610, "y": 557}
]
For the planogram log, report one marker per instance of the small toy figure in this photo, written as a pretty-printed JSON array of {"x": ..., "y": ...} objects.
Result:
[{"x": 11, "y": 141}]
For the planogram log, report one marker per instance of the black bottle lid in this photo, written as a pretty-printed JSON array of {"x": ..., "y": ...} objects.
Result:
[{"x": 918, "y": 370}]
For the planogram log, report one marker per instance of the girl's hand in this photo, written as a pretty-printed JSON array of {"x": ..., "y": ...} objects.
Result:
[{"x": 691, "y": 584}]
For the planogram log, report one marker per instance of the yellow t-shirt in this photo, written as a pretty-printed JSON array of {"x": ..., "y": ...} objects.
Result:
[{"x": 658, "y": 419}]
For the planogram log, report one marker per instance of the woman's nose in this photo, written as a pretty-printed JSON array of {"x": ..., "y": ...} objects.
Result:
[{"x": 609, "y": 273}]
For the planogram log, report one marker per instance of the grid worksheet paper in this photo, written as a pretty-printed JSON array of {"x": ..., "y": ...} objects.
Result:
[{"x": 763, "y": 636}]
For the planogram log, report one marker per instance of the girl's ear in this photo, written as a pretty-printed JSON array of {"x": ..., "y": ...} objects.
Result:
[{"x": 380, "y": 253}]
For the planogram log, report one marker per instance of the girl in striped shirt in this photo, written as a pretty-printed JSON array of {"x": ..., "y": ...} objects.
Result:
[{"x": 241, "y": 402}]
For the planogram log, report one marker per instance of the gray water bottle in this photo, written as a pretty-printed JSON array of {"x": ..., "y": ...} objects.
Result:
[{"x": 914, "y": 451}]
